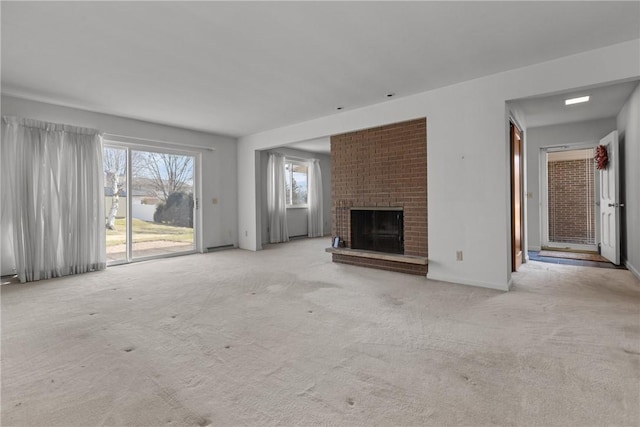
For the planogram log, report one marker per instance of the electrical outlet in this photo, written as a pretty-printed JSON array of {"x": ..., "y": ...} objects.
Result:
[
  {"x": 458, "y": 255},
  {"x": 246, "y": 233}
]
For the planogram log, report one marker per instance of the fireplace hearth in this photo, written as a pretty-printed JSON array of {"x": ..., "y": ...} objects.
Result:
[{"x": 379, "y": 230}]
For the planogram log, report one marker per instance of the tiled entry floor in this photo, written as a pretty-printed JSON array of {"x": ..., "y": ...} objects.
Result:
[{"x": 533, "y": 256}]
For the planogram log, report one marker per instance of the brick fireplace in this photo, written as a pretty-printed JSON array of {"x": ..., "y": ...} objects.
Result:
[{"x": 382, "y": 171}]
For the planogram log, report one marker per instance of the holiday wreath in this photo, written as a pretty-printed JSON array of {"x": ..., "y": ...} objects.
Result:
[{"x": 601, "y": 157}]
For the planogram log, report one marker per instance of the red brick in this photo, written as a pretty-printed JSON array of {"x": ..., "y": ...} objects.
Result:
[{"x": 384, "y": 166}]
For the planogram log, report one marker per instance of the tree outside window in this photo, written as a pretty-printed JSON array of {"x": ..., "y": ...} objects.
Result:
[{"x": 296, "y": 183}]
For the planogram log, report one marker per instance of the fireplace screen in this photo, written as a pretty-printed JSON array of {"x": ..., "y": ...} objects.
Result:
[{"x": 377, "y": 230}]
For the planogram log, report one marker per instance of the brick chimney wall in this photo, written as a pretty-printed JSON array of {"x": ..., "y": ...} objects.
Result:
[{"x": 382, "y": 167}]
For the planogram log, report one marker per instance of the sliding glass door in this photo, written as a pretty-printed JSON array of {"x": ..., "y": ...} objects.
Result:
[
  {"x": 149, "y": 209},
  {"x": 115, "y": 203},
  {"x": 162, "y": 207}
]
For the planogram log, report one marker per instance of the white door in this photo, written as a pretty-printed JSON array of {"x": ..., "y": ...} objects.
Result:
[{"x": 610, "y": 201}]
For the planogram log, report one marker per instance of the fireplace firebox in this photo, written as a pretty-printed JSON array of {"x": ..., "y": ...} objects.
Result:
[{"x": 379, "y": 230}]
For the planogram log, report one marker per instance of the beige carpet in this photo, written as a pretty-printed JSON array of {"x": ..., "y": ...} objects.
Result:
[
  {"x": 285, "y": 337},
  {"x": 573, "y": 255}
]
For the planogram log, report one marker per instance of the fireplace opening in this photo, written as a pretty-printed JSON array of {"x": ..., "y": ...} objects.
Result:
[{"x": 378, "y": 230}]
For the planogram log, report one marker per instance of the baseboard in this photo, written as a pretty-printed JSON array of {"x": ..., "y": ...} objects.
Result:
[
  {"x": 298, "y": 237},
  {"x": 459, "y": 281},
  {"x": 535, "y": 248},
  {"x": 632, "y": 269},
  {"x": 219, "y": 248}
]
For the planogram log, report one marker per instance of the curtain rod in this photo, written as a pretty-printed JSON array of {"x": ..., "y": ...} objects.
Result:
[
  {"x": 124, "y": 138},
  {"x": 302, "y": 159}
]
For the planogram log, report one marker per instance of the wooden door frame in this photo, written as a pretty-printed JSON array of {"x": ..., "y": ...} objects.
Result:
[{"x": 516, "y": 259}]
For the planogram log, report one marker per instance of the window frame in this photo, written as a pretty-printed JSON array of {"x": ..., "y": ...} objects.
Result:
[
  {"x": 289, "y": 191},
  {"x": 122, "y": 142}
]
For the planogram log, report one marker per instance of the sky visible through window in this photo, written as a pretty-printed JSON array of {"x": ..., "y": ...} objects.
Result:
[{"x": 296, "y": 183}]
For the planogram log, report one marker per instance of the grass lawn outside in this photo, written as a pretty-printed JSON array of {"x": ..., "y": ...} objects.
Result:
[{"x": 144, "y": 231}]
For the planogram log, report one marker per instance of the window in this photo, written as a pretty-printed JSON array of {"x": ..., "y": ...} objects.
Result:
[{"x": 296, "y": 182}]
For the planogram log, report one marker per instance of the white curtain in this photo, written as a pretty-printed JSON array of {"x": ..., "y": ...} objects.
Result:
[
  {"x": 276, "y": 199},
  {"x": 314, "y": 197},
  {"x": 52, "y": 198}
]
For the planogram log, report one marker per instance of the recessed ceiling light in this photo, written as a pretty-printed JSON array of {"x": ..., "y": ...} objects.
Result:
[{"x": 576, "y": 100}]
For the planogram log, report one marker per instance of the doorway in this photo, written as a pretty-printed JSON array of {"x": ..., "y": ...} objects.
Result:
[
  {"x": 569, "y": 211},
  {"x": 517, "y": 223},
  {"x": 149, "y": 203}
]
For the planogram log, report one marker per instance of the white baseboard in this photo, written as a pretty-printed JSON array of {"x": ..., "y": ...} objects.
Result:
[
  {"x": 632, "y": 269},
  {"x": 459, "y": 281},
  {"x": 535, "y": 248}
]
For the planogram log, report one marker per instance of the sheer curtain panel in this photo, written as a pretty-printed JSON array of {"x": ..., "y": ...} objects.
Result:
[
  {"x": 276, "y": 199},
  {"x": 316, "y": 221},
  {"x": 52, "y": 198}
]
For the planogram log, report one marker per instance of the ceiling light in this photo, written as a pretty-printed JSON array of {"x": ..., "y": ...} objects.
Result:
[
  {"x": 339, "y": 108},
  {"x": 389, "y": 95},
  {"x": 576, "y": 100}
]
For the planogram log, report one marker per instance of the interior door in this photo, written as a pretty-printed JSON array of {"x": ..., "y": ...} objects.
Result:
[
  {"x": 516, "y": 197},
  {"x": 610, "y": 201}
]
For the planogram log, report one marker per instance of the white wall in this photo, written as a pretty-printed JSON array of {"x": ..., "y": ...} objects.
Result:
[
  {"x": 468, "y": 156},
  {"x": 628, "y": 122},
  {"x": 219, "y": 175},
  {"x": 536, "y": 138},
  {"x": 297, "y": 222},
  {"x": 143, "y": 212}
]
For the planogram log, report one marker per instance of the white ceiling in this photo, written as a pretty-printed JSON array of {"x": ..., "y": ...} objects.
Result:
[
  {"x": 237, "y": 68},
  {"x": 605, "y": 101}
]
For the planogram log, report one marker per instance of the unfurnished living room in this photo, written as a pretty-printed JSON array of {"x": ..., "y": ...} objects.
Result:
[{"x": 320, "y": 213}]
